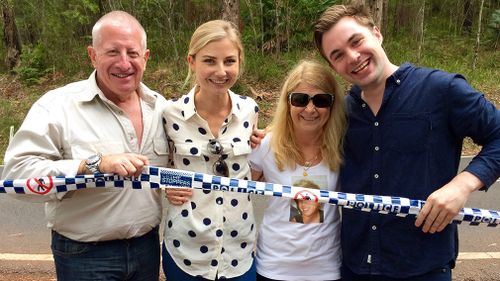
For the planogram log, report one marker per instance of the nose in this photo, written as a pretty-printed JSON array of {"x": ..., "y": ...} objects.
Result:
[
  {"x": 352, "y": 54},
  {"x": 310, "y": 106},
  {"x": 124, "y": 61},
  {"x": 221, "y": 69}
]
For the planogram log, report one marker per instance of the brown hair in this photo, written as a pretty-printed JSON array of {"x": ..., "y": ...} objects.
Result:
[{"x": 333, "y": 15}]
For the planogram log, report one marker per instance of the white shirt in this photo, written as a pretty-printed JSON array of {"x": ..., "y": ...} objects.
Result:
[
  {"x": 293, "y": 251},
  {"x": 214, "y": 233},
  {"x": 71, "y": 123}
]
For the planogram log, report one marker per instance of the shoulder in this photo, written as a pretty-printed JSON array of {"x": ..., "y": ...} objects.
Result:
[{"x": 60, "y": 96}]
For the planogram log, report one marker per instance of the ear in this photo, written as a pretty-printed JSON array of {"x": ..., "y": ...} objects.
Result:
[
  {"x": 376, "y": 32},
  {"x": 191, "y": 61},
  {"x": 146, "y": 57},
  {"x": 92, "y": 55}
]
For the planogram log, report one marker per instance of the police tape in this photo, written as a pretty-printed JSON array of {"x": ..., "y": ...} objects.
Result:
[{"x": 155, "y": 177}]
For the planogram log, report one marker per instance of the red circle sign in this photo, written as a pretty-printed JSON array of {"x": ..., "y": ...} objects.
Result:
[
  {"x": 39, "y": 186},
  {"x": 306, "y": 195}
]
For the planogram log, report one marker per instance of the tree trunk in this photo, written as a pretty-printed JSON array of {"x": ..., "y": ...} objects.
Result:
[
  {"x": 377, "y": 10},
  {"x": 468, "y": 16},
  {"x": 420, "y": 31},
  {"x": 10, "y": 34},
  {"x": 231, "y": 12},
  {"x": 478, "y": 37},
  {"x": 385, "y": 18}
]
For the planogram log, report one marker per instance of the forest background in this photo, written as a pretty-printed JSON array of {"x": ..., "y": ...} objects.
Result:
[{"x": 44, "y": 43}]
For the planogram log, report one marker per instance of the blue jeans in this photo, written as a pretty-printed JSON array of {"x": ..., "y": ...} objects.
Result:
[
  {"x": 136, "y": 259},
  {"x": 173, "y": 272},
  {"x": 439, "y": 274}
]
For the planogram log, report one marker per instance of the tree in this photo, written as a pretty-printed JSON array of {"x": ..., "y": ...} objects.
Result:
[
  {"x": 231, "y": 11},
  {"x": 10, "y": 34},
  {"x": 420, "y": 29},
  {"x": 476, "y": 49},
  {"x": 377, "y": 9}
]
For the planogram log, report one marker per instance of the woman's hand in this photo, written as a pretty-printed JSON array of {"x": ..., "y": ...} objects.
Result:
[{"x": 178, "y": 196}]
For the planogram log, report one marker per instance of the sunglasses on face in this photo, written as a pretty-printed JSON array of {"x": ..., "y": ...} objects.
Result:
[
  {"x": 220, "y": 166},
  {"x": 319, "y": 100}
]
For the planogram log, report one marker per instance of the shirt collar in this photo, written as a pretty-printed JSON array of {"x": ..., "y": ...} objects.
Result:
[
  {"x": 396, "y": 78},
  {"x": 189, "y": 108},
  {"x": 92, "y": 90}
]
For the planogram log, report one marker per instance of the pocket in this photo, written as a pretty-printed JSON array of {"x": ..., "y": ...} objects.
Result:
[
  {"x": 409, "y": 132},
  {"x": 160, "y": 146},
  {"x": 63, "y": 246},
  {"x": 189, "y": 157},
  {"x": 84, "y": 150}
]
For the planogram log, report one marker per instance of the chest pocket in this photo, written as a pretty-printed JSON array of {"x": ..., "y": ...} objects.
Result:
[
  {"x": 189, "y": 157},
  {"x": 409, "y": 132}
]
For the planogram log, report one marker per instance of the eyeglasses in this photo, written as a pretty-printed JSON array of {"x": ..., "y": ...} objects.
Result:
[
  {"x": 220, "y": 166},
  {"x": 319, "y": 100}
]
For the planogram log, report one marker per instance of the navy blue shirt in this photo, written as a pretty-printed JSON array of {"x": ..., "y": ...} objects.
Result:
[{"x": 411, "y": 148}]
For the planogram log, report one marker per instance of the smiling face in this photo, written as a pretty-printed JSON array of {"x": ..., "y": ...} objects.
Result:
[
  {"x": 216, "y": 66},
  {"x": 355, "y": 52},
  {"x": 119, "y": 58},
  {"x": 308, "y": 208},
  {"x": 309, "y": 119}
]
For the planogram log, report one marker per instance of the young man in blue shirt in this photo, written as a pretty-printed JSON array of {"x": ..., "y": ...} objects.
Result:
[{"x": 405, "y": 134}]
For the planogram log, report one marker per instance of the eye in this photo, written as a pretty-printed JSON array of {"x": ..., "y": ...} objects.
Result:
[
  {"x": 112, "y": 53},
  {"x": 209, "y": 61},
  {"x": 230, "y": 61},
  {"x": 133, "y": 54},
  {"x": 338, "y": 56}
]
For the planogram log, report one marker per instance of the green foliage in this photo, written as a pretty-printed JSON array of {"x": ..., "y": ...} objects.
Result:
[
  {"x": 494, "y": 27},
  {"x": 32, "y": 65}
]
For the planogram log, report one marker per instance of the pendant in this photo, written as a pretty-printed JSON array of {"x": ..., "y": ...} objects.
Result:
[{"x": 305, "y": 173}]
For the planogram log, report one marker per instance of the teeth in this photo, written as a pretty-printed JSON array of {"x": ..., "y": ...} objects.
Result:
[
  {"x": 359, "y": 68},
  {"x": 121, "y": 75},
  {"x": 219, "y": 81}
]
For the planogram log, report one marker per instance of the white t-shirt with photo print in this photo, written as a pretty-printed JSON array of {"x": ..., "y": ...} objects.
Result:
[{"x": 287, "y": 250}]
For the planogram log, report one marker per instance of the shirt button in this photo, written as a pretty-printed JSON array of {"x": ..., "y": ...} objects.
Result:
[
  {"x": 376, "y": 176},
  {"x": 377, "y": 148},
  {"x": 363, "y": 105},
  {"x": 374, "y": 227},
  {"x": 376, "y": 124},
  {"x": 398, "y": 81}
]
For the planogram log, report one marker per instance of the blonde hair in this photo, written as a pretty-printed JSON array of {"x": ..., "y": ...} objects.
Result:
[
  {"x": 334, "y": 14},
  {"x": 283, "y": 142},
  {"x": 209, "y": 32}
]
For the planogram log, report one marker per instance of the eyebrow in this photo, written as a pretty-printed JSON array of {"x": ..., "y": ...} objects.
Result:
[{"x": 335, "y": 51}]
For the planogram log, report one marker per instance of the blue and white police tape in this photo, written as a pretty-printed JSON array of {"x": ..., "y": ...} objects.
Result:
[{"x": 154, "y": 177}]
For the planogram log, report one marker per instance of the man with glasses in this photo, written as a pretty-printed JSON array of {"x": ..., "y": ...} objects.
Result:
[{"x": 405, "y": 134}]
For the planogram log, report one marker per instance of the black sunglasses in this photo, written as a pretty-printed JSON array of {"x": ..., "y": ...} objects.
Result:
[
  {"x": 319, "y": 100},
  {"x": 220, "y": 166}
]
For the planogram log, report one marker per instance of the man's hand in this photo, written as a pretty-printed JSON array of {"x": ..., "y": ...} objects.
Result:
[
  {"x": 178, "y": 196},
  {"x": 257, "y": 136},
  {"x": 445, "y": 203},
  {"x": 123, "y": 164}
]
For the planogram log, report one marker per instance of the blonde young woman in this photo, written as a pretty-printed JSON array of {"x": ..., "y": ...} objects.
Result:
[
  {"x": 210, "y": 235},
  {"x": 305, "y": 143}
]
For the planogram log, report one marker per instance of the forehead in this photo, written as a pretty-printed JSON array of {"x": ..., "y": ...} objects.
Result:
[
  {"x": 341, "y": 32},
  {"x": 224, "y": 48},
  {"x": 127, "y": 35},
  {"x": 306, "y": 88}
]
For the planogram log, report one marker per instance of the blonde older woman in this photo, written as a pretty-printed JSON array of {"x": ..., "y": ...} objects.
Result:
[{"x": 305, "y": 143}]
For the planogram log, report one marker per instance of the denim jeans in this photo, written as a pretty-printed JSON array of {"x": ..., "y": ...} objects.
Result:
[
  {"x": 438, "y": 274},
  {"x": 173, "y": 272},
  {"x": 135, "y": 259}
]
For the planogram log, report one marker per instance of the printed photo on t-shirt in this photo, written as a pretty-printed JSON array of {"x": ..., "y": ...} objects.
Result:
[{"x": 303, "y": 210}]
